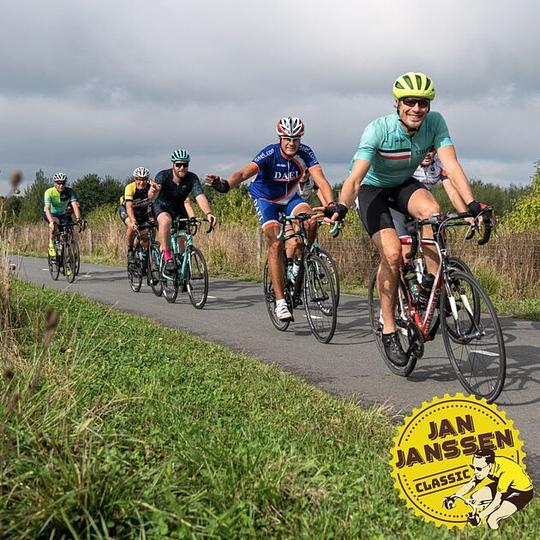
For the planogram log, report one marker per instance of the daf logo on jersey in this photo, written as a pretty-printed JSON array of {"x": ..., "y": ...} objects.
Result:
[{"x": 286, "y": 176}]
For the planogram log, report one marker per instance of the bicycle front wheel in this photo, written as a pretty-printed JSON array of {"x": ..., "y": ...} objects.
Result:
[
  {"x": 70, "y": 264},
  {"x": 197, "y": 279},
  {"x": 77, "y": 255},
  {"x": 319, "y": 299},
  {"x": 54, "y": 266},
  {"x": 472, "y": 336},
  {"x": 270, "y": 301},
  {"x": 332, "y": 266},
  {"x": 153, "y": 272},
  {"x": 408, "y": 337},
  {"x": 170, "y": 284},
  {"x": 135, "y": 272}
]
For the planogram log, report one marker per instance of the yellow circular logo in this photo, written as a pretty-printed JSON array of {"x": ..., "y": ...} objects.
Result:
[{"x": 433, "y": 457}]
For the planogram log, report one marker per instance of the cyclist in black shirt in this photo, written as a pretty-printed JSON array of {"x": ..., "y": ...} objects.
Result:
[{"x": 175, "y": 186}]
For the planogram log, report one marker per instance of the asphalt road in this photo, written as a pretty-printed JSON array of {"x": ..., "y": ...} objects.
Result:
[{"x": 349, "y": 366}]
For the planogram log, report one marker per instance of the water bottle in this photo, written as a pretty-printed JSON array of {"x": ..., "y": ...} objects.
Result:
[
  {"x": 419, "y": 268},
  {"x": 409, "y": 273},
  {"x": 290, "y": 276},
  {"x": 424, "y": 289}
]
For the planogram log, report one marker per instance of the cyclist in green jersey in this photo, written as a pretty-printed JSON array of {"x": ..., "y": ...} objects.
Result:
[
  {"x": 390, "y": 150},
  {"x": 59, "y": 201}
]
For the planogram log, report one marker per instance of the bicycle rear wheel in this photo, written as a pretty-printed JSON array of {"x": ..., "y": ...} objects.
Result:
[
  {"x": 319, "y": 298},
  {"x": 69, "y": 263},
  {"x": 406, "y": 332},
  {"x": 197, "y": 279},
  {"x": 332, "y": 266},
  {"x": 170, "y": 285},
  {"x": 153, "y": 272},
  {"x": 472, "y": 336},
  {"x": 270, "y": 301}
]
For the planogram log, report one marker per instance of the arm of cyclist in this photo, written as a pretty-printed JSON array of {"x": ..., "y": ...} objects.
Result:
[
  {"x": 349, "y": 191},
  {"x": 324, "y": 193},
  {"x": 450, "y": 501},
  {"x": 131, "y": 214},
  {"x": 154, "y": 190},
  {"x": 189, "y": 209},
  {"x": 223, "y": 185},
  {"x": 77, "y": 210},
  {"x": 48, "y": 215},
  {"x": 202, "y": 201},
  {"x": 447, "y": 155},
  {"x": 455, "y": 198}
]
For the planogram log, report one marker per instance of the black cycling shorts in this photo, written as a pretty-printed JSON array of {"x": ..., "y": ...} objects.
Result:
[
  {"x": 374, "y": 204},
  {"x": 518, "y": 498},
  {"x": 174, "y": 212}
]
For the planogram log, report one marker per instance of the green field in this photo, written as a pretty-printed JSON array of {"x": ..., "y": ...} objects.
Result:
[{"x": 121, "y": 428}]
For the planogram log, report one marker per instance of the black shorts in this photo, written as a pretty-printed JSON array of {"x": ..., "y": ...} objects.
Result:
[
  {"x": 140, "y": 217},
  {"x": 64, "y": 219},
  {"x": 518, "y": 498},
  {"x": 174, "y": 212},
  {"x": 374, "y": 204}
]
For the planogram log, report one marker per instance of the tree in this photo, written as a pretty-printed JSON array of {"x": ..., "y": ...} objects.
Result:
[
  {"x": 31, "y": 204},
  {"x": 92, "y": 191},
  {"x": 526, "y": 213}
]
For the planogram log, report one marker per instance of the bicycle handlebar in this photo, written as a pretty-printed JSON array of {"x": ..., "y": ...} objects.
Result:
[
  {"x": 194, "y": 222},
  {"x": 452, "y": 220}
]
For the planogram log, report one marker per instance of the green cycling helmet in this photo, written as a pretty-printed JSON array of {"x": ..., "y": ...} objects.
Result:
[
  {"x": 414, "y": 85},
  {"x": 180, "y": 155}
]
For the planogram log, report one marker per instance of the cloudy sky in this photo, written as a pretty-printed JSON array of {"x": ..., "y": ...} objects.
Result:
[{"x": 105, "y": 86}]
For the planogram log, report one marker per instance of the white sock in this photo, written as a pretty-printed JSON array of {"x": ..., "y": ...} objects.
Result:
[{"x": 281, "y": 302}]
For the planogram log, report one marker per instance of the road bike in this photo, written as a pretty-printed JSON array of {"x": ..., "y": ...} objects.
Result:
[
  {"x": 145, "y": 259},
  {"x": 473, "y": 517},
  {"x": 312, "y": 286},
  {"x": 469, "y": 325},
  {"x": 67, "y": 258},
  {"x": 190, "y": 273}
]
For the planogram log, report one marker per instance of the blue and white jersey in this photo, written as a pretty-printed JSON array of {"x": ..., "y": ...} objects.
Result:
[{"x": 278, "y": 177}]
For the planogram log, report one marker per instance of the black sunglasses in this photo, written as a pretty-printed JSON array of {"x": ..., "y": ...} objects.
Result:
[
  {"x": 180, "y": 164},
  {"x": 411, "y": 102},
  {"x": 478, "y": 469}
]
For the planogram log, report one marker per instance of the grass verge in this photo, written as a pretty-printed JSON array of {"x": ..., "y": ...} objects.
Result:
[{"x": 121, "y": 428}]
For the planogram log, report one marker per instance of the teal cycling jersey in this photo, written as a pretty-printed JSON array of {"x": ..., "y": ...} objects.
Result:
[
  {"x": 59, "y": 202},
  {"x": 394, "y": 156}
]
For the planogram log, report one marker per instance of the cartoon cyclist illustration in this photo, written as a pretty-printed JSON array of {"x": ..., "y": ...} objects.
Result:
[{"x": 503, "y": 485}]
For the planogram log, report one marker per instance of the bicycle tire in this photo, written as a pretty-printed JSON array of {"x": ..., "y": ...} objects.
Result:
[
  {"x": 77, "y": 254},
  {"x": 270, "y": 301},
  {"x": 154, "y": 277},
  {"x": 135, "y": 272},
  {"x": 170, "y": 286},
  {"x": 197, "y": 279},
  {"x": 332, "y": 266},
  {"x": 319, "y": 298},
  {"x": 404, "y": 334},
  {"x": 481, "y": 369},
  {"x": 54, "y": 267},
  {"x": 69, "y": 263}
]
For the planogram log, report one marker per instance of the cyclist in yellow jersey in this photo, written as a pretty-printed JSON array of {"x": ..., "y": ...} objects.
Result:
[
  {"x": 501, "y": 480},
  {"x": 59, "y": 201}
]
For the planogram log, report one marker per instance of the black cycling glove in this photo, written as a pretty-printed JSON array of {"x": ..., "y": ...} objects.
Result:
[
  {"x": 221, "y": 185},
  {"x": 336, "y": 208},
  {"x": 476, "y": 207}
]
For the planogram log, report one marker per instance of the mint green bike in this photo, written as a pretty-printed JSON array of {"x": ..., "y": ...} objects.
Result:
[{"x": 190, "y": 272}]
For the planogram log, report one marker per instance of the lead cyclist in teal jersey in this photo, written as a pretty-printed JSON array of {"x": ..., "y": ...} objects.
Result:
[{"x": 390, "y": 150}]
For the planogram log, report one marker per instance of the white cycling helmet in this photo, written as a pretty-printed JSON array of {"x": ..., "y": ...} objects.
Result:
[
  {"x": 60, "y": 178},
  {"x": 290, "y": 126},
  {"x": 141, "y": 172}
]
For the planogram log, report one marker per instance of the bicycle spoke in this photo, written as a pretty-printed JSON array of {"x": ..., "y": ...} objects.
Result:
[
  {"x": 473, "y": 337},
  {"x": 197, "y": 279},
  {"x": 319, "y": 299}
]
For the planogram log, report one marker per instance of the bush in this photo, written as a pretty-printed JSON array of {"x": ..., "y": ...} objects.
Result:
[{"x": 526, "y": 213}]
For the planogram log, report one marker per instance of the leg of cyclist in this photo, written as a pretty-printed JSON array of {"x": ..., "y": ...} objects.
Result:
[
  {"x": 53, "y": 231},
  {"x": 164, "y": 221},
  {"x": 297, "y": 206}
]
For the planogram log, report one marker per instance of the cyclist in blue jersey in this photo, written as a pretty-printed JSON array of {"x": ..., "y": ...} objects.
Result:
[
  {"x": 279, "y": 168},
  {"x": 390, "y": 150}
]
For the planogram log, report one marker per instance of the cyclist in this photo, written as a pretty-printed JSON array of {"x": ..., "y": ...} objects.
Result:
[
  {"x": 506, "y": 485},
  {"x": 174, "y": 186},
  {"x": 390, "y": 150},
  {"x": 279, "y": 168},
  {"x": 59, "y": 201},
  {"x": 133, "y": 215}
]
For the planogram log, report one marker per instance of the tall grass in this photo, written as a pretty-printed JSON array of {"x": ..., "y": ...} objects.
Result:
[{"x": 509, "y": 265}]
